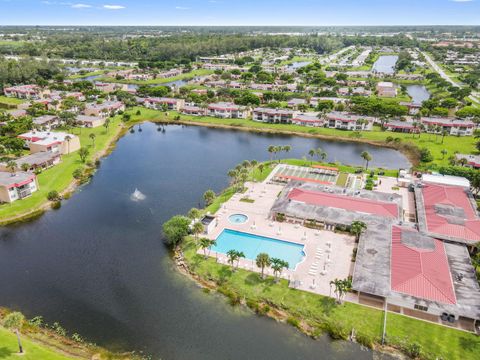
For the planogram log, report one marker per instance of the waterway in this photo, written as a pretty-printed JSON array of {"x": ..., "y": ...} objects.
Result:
[
  {"x": 99, "y": 267},
  {"x": 385, "y": 64},
  {"x": 418, "y": 93}
]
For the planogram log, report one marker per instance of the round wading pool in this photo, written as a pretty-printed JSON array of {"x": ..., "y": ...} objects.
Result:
[{"x": 238, "y": 218}]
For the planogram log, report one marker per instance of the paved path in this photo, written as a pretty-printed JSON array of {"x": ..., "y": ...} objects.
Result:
[{"x": 475, "y": 96}]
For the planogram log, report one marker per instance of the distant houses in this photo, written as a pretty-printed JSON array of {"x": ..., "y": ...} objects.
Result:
[{"x": 228, "y": 110}]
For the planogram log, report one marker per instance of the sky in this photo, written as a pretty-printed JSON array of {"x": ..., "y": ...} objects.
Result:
[{"x": 240, "y": 12}]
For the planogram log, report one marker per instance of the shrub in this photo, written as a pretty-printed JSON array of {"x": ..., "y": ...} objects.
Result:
[
  {"x": 293, "y": 321},
  {"x": 77, "y": 173},
  {"x": 365, "y": 340},
  {"x": 413, "y": 350},
  {"x": 56, "y": 205},
  {"x": 263, "y": 310},
  {"x": 53, "y": 195},
  {"x": 425, "y": 155}
]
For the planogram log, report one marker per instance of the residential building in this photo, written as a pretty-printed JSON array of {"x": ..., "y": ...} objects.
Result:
[
  {"x": 294, "y": 103},
  {"x": 470, "y": 160},
  {"x": 59, "y": 142},
  {"x": 450, "y": 126},
  {"x": 307, "y": 120},
  {"x": 194, "y": 110},
  {"x": 400, "y": 126},
  {"x": 346, "y": 121},
  {"x": 283, "y": 116},
  {"x": 89, "y": 121},
  {"x": 40, "y": 160},
  {"x": 105, "y": 109},
  {"x": 227, "y": 110},
  {"x": 23, "y": 91},
  {"x": 386, "y": 89},
  {"x": 46, "y": 121},
  {"x": 171, "y": 104},
  {"x": 17, "y": 186}
]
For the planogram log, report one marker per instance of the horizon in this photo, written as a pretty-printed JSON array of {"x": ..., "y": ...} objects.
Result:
[{"x": 320, "y": 13}]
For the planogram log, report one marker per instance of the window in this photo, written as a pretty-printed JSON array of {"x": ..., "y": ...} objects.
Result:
[{"x": 421, "y": 307}]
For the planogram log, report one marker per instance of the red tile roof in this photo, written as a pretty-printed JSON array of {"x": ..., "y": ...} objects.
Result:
[
  {"x": 422, "y": 273},
  {"x": 345, "y": 202},
  {"x": 468, "y": 228}
]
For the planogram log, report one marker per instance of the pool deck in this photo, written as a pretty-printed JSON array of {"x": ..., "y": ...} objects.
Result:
[{"x": 328, "y": 254}]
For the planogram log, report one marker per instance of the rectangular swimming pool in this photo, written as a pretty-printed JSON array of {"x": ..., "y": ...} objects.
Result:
[{"x": 252, "y": 245}]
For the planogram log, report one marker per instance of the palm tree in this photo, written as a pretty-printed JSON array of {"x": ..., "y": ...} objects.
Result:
[
  {"x": 106, "y": 124},
  {"x": 271, "y": 150},
  {"x": 357, "y": 228},
  {"x": 12, "y": 165},
  {"x": 67, "y": 139},
  {"x": 444, "y": 133},
  {"x": 25, "y": 167},
  {"x": 322, "y": 155},
  {"x": 193, "y": 213},
  {"x": 206, "y": 244},
  {"x": 312, "y": 153},
  {"x": 263, "y": 261},
  {"x": 14, "y": 322},
  {"x": 367, "y": 157},
  {"x": 92, "y": 136},
  {"x": 232, "y": 256},
  {"x": 240, "y": 255},
  {"x": 209, "y": 196},
  {"x": 261, "y": 166},
  {"x": 341, "y": 288},
  {"x": 277, "y": 266},
  {"x": 287, "y": 149},
  {"x": 197, "y": 229},
  {"x": 444, "y": 152}
]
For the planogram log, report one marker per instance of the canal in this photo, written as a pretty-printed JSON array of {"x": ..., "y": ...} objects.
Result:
[{"x": 98, "y": 265}]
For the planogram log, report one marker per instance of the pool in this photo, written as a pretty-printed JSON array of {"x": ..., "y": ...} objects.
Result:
[
  {"x": 238, "y": 218},
  {"x": 252, "y": 245}
]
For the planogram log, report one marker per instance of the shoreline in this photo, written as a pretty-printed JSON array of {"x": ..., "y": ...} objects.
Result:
[{"x": 32, "y": 214}]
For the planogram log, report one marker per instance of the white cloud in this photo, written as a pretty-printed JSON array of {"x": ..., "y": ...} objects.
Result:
[
  {"x": 182, "y": 8},
  {"x": 81, "y": 6},
  {"x": 461, "y": 0},
  {"x": 113, "y": 7}
]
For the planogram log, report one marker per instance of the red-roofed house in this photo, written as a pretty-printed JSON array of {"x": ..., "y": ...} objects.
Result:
[
  {"x": 423, "y": 273},
  {"x": 379, "y": 208},
  {"x": 447, "y": 212}
]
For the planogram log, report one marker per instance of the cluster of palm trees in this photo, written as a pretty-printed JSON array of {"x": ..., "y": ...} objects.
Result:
[
  {"x": 357, "y": 228},
  {"x": 240, "y": 174},
  {"x": 206, "y": 244},
  {"x": 318, "y": 152},
  {"x": 275, "y": 149},
  {"x": 263, "y": 261},
  {"x": 197, "y": 227},
  {"x": 234, "y": 256}
]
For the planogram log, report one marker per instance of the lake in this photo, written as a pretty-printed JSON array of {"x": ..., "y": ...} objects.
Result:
[
  {"x": 385, "y": 64},
  {"x": 98, "y": 265},
  {"x": 418, "y": 93}
]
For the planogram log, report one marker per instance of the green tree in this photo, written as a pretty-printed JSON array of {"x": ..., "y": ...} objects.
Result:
[
  {"x": 176, "y": 229},
  {"x": 357, "y": 228},
  {"x": 277, "y": 266},
  {"x": 14, "y": 321},
  {"x": 106, "y": 124},
  {"x": 25, "y": 167},
  {"x": 209, "y": 197},
  {"x": 367, "y": 157},
  {"x": 263, "y": 261},
  {"x": 197, "y": 229},
  {"x": 12, "y": 166},
  {"x": 341, "y": 288},
  {"x": 194, "y": 213},
  {"x": 232, "y": 256},
  {"x": 92, "y": 137},
  {"x": 83, "y": 153},
  {"x": 205, "y": 244}
]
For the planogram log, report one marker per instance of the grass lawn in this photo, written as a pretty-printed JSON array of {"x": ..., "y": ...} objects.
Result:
[
  {"x": 60, "y": 176},
  {"x": 33, "y": 351},
  {"x": 10, "y": 101},
  {"x": 321, "y": 312},
  {"x": 91, "y": 73},
  {"x": 189, "y": 75},
  {"x": 452, "y": 144}
]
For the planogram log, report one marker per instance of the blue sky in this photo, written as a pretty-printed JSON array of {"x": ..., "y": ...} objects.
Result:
[{"x": 240, "y": 12}]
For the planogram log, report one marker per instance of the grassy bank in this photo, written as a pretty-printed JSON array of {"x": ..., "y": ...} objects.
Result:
[
  {"x": 317, "y": 314},
  {"x": 60, "y": 177},
  {"x": 408, "y": 142},
  {"x": 33, "y": 351}
]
